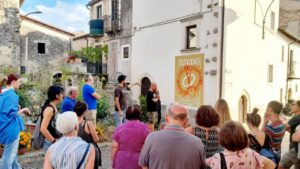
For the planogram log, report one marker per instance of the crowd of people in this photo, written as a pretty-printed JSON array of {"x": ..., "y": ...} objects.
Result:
[{"x": 69, "y": 137}]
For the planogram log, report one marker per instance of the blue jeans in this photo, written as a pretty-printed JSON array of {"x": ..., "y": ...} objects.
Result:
[
  {"x": 119, "y": 119},
  {"x": 10, "y": 155},
  {"x": 46, "y": 145}
]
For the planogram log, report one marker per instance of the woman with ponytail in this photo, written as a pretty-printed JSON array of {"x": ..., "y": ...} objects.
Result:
[
  {"x": 253, "y": 120},
  {"x": 48, "y": 115},
  {"x": 11, "y": 123}
]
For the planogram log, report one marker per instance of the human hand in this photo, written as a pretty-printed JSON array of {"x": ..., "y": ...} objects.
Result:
[
  {"x": 121, "y": 113},
  {"x": 267, "y": 117},
  {"x": 24, "y": 111}
]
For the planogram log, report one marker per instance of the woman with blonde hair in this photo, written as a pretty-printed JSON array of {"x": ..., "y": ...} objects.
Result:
[{"x": 222, "y": 109}]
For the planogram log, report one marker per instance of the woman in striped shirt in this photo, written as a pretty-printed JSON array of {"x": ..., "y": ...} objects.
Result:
[{"x": 69, "y": 152}]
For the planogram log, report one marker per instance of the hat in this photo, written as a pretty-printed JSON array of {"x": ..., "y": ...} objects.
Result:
[
  {"x": 66, "y": 122},
  {"x": 121, "y": 78}
]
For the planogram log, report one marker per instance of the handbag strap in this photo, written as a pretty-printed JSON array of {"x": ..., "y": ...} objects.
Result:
[
  {"x": 254, "y": 141},
  {"x": 223, "y": 161},
  {"x": 85, "y": 153}
]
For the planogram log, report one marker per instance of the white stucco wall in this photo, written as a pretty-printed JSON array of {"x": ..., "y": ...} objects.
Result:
[
  {"x": 247, "y": 57},
  {"x": 154, "y": 47}
]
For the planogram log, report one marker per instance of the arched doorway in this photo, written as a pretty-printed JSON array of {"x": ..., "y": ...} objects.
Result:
[
  {"x": 145, "y": 85},
  {"x": 243, "y": 108}
]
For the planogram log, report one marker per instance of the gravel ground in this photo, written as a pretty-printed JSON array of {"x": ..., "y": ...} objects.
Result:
[{"x": 35, "y": 160}]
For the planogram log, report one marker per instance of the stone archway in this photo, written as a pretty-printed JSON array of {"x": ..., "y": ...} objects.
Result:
[
  {"x": 145, "y": 85},
  {"x": 243, "y": 108}
]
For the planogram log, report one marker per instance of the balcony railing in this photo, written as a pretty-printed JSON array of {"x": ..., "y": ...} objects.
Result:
[{"x": 111, "y": 24}]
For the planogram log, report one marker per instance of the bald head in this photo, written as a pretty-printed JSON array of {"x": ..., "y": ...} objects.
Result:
[
  {"x": 153, "y": 86},
  {"x": 177, "y": 112}
]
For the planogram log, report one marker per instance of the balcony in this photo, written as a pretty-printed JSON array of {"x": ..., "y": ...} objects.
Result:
[
  {"x": 112, "y": 24},
  {"x": 96, "y": 27}
]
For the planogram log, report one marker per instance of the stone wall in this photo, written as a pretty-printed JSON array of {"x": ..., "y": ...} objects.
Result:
[
  {"x": 55, "y": 55},
  {"x": 9, "y": 33}
]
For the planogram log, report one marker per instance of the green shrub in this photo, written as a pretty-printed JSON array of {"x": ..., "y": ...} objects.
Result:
[
  {"x": 103, "y": 107},
  {"x": 143, "y": 105}
]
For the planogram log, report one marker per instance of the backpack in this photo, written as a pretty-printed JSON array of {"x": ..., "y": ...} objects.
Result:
[
  {"x": 264, "y": 151},
  {"x": 38, "y": 138}
]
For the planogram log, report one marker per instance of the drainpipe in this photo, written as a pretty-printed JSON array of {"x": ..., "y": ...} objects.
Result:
[
  {"x": 288, "y": 71},
  {"x": 222, "y": 50}
]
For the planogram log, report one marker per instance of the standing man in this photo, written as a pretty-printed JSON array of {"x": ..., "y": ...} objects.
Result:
[
  {"x": 120, "y": 101},
  {"x": 152, "y": 105},
  {"x": 273, "y": 126},
  {"x": 173, "y": 147},
  {"x": 90, "y": 97},
  {"x": 290, "y": 158},
  {"x": 69, "y": 101}
]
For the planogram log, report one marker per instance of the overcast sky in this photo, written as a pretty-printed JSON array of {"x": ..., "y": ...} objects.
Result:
[{"x": 70, "y": 15}]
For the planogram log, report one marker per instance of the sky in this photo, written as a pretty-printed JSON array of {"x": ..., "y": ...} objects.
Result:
[{"x": 69, "y": 15}]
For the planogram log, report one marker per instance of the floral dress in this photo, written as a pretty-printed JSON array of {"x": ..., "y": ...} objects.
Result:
[{"x": 244, "y": 159}]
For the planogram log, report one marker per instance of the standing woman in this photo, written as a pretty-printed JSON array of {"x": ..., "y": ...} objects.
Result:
[
  {"x": 87, "y": 131},
  {"x": 49, "y": 111},
  {"x": 128, "y": 140},
  {"x": 222, "y": 109},
  {"x": 206, "y": 129},
  {"x": 11, "y": 123}
]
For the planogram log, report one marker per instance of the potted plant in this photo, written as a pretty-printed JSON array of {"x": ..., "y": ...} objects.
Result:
[{"x": 24, "y": 143}]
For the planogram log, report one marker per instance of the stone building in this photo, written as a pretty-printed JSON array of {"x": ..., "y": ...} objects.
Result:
[
  {"x": 43, "y": 45},
  {"x": 111, "y": 24},
  {"x": 9, "y": 33}
]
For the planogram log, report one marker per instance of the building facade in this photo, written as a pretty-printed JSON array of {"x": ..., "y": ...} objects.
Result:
[
  {"x": 239, "y": 52},
  {"x": 42, "y": 45},
  {"x": 115, "y": 16},
  {"x": 9, "y": 33}
]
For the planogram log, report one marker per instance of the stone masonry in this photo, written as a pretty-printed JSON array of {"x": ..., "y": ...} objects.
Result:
[{"x": 9, "y": 33}]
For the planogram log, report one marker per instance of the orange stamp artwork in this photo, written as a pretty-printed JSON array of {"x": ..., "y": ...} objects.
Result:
[{"x": 189, "y": 80}]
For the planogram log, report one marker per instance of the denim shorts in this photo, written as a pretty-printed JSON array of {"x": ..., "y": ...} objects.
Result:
[{"x": 46, "y": 145}]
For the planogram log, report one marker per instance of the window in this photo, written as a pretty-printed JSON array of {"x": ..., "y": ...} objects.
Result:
[
  {"x": 273, "y": 20},
  {"x": 99, "y": 12},
  {"x": 270, "y": 74},
  {"x": 41, "y": 47},
  {"x": 291, "y": 64},
  {"x": 281, "y": 95},
  {"x": 282, "y": 54},
  {"x": 191, "y": 37},
  {"x": 125, "y": 52}
]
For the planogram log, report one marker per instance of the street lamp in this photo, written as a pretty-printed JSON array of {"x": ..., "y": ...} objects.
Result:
[{"x": 23, "y": 68}]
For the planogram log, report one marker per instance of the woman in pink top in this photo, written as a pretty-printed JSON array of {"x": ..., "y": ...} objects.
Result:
[
  {"x": 234, "y": 139},
  {"x": 128, "y": 140}
]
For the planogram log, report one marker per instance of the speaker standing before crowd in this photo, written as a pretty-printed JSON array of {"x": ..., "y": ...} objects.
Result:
[
  {"x": 11, "y": 123},
  {"x": 152, "y": 105}
]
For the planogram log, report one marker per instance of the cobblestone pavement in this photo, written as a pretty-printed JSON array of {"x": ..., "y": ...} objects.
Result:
[{"x": 35, "y": 159}]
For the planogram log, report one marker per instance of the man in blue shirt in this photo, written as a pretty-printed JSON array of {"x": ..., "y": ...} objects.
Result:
[
  {"x": 90, "y": 97},
  {"x": 70, "y": 100}
]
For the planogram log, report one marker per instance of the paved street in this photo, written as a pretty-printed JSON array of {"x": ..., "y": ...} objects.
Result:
[{"x": 35, "y": 160}]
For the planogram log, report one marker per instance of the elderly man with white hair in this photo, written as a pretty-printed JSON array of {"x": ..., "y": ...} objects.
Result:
[
  {"x": 70, "y": 100},
  {"x": 70, "y": 151}
]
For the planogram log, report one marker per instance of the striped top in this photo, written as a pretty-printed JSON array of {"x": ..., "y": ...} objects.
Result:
[
  {"x": 275, "y": 130},
  {"x": 67, "y": 153}
]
